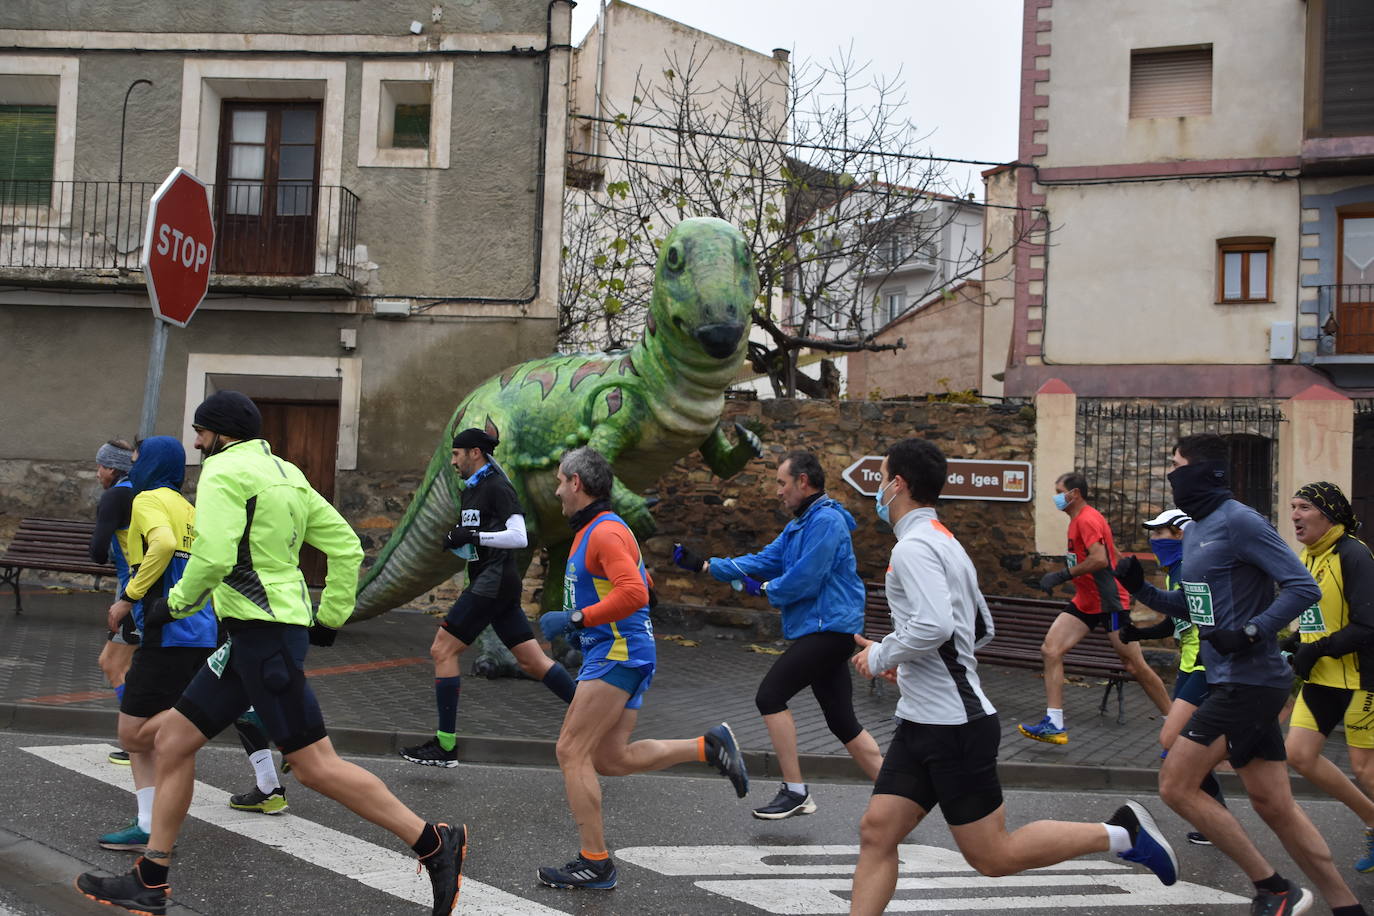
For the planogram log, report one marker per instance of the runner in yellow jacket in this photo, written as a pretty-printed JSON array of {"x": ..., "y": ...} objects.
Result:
[{"x": 253, "y": 513}]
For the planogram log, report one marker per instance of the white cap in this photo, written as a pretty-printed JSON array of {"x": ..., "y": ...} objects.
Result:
[{"x": 1176, "y": 518}]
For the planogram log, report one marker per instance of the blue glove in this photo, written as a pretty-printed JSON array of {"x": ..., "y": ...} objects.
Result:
[
  {"x": 751, "y": 585},
  {"x": 555, "y": 624},
  {"x": 684, "y": 558}
]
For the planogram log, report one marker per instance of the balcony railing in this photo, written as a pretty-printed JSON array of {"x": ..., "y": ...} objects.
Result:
[
  {"x": 901, "y": 252},
  {"x": 1345, "y": 317},
  {"x": 301, "y": 230}
]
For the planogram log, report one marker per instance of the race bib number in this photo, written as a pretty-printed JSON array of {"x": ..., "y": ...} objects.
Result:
[
  {"x": 472, "y": 518},
  {"x": 219, "y": 659},
  {"x": 1071, "y": 560},
  {"x": 1181, "y": 627},
  {"x": 1199, "y": 597},
  {"x": 1312, "y": 620}
]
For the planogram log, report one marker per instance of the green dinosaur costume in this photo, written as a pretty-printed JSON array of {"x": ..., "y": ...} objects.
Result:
[{"x": 643, "y": 408}]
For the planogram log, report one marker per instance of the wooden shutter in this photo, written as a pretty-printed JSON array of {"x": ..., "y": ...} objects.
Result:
[
  {"x": 1347, "y": 76},
  {"x": 28, "y": 136},
  {"x": 1171, "y": 83}
]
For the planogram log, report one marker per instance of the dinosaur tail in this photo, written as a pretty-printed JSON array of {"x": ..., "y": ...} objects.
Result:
[{"x": 413, "y": 560}]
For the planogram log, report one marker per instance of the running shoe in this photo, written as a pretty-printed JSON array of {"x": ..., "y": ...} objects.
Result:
[
  {"x": 786, "y": 804},
  {"x": 1198, "y": 839},
  {"x": 431, "y": 754},
  {"x": 1367, "y": 863},
  {"x": 129, "y": 839},
  {"x": 1045, "y": 731},
  {"x": 445, "y": 866},
  {"x": 581, "y": 873},
  {"x": 119, "y": 758},
  {"x": 1148, "y": 845},
  {"x": 126, "y": 890},
  {"x": 723, "y": 751},
  {"x": 1292, "y": 902},
  {"x": 262, "y": 802}
]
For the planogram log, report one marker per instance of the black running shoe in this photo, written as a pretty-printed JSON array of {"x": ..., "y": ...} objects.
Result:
[
  {"x": 431, "y": 754},
  {"x": 1292, "y": 902},
  {"x": 1198, "y": 839},
  {"x": 126, "y": 890},
  {"x": 723, "y": 752},
  {"x": 273, "y": 802},
  {"x": 120, "y": 757},
  {"x": 445, "y": 866},
  {"x": 581, "y": 873},
  {"x": 786, "y": 804}
]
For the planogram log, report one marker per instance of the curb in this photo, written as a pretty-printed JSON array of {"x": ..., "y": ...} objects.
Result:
[{"x": 501, "y": 751}]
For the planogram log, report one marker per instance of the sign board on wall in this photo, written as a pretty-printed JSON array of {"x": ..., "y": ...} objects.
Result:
[{"x": 1003, "y": 481}]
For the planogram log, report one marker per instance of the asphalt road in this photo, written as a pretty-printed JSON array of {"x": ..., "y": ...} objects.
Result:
[{"x": 684, "y": 844}]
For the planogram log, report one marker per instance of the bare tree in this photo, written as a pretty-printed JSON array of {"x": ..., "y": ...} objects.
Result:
[{"x": 817, "y": 171}]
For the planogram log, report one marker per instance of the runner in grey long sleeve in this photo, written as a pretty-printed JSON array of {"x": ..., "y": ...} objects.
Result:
[{"x": 1232, "y": 560}]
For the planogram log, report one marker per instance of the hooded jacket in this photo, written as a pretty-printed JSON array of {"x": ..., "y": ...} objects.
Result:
[
  {"x": 810, "y": 570},
  {"x": 161, "y": 531}
]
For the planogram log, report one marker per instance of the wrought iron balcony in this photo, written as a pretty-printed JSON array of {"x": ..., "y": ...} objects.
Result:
[
  {"x": 291, "y": 229},
  {"x": 1345, "y": 318}
]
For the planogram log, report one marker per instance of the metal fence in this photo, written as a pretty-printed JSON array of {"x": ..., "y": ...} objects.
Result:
[
  {"x": 1345, "y": 315},
  {"x": 1124, "y": 451},
  {"x": 99, "y": 225}
]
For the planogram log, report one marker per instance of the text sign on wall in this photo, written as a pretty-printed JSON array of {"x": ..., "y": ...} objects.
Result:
[{"x": 1006, "y": 481}]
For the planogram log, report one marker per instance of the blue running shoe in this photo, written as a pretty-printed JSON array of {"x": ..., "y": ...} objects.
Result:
[
  {"x": 723, "y": 752},
  {"x": 1045, "y": 731},
  {"x": 1367, "y": 863},
  {"x": 130, "y": 838},
  {"x": 581, "y": 874},
  {"x": 1149, "y": 847}
]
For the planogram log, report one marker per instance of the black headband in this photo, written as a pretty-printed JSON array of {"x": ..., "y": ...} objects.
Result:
[{"x": 1328, "y": 498}]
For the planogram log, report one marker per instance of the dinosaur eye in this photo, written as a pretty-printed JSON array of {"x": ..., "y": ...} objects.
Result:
[{"x": 675, "y": 260}]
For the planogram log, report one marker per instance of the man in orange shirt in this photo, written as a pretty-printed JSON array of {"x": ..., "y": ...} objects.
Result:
[{"x": 1099, "y": 600}]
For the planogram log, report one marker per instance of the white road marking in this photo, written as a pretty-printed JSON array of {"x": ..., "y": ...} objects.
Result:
[
  {"x": 371, "y": 865},
  {"x": 1058, "y": 887}
]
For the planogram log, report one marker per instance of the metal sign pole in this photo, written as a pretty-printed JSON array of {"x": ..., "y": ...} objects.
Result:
[{"x": 156, "y": 356}]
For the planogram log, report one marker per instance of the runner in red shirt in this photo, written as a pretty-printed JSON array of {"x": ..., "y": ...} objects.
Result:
[{"x": 1099, "y": 600}]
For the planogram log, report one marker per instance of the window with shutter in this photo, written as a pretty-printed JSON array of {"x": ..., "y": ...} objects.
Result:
[
  {"x": 1173, "y": 82},
  {"x": 1347, "y": 80},
  {"x": 28, "y": 137}
]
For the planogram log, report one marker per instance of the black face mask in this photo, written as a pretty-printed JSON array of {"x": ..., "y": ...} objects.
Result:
[{"x": 1200, "y": 488}]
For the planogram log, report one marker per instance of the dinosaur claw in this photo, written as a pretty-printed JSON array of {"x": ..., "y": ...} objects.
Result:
[{"x": 749, "y": 439}]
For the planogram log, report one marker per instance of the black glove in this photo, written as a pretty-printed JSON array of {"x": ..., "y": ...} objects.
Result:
[
  {"x": 1308, "y": 654},
  {"x": 1050, "y": 581},
  {"x": 1229, "y": 642},
  {"x": 685, "y": 558},
  {"x": 1130, "y": 574},
  {"x": 321, "y": 635},
  {"x": 1129, "y": 632},
  {"x": 460, "y": 537},
  {"x": 157, "y": 613},
  {"x": 1290, "y": 643}
]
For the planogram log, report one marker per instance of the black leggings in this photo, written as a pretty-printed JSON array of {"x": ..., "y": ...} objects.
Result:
[{"x": 820, "y": 660}]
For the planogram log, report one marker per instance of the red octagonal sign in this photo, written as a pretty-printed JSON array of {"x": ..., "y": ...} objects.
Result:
[{"x": 178, "y": 247}]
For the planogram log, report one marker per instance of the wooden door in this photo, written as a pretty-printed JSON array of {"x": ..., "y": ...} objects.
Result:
[
  {"x": 268, "y": 191},
  {"x": 1355, "y": 276},
  {"x": 305, "y": 433}
]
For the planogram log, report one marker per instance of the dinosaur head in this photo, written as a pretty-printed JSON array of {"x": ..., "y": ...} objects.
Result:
[{"x": 704, "y": 290}]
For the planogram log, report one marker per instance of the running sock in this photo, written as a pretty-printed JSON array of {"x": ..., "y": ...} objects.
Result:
[
  {"x": 151, "y": 873},
  {"x": 145, "y": 808},
  {"x": 1118, "y": 838},
  {"x": 594, "y": 856},
  {"x": 558, "y": 680},
  {"x": 1212, "y": 787},
  {"x": 797, "y": 788},
  {"x": 446, "y": 697},
  {"x": 1125, "y": 821},
  {"x": 1274, "y": 884},
  {"x": 428, "y": 842},
  {"x": 265, "y": 771},
  {"x": 119, "y": 693},
  {"x": 447, "y": 740},
  {"x": 1056, "y": 717},
  {"x": 701, "y": 749}
]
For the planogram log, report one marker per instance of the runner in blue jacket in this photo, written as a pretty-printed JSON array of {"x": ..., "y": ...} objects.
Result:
[{"x": 809, "y": 573}]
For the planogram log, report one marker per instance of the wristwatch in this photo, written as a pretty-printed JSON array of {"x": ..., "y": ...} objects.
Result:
[
  {"x": 1251, "y": 632},
  {"x": 576, "y": 619}
]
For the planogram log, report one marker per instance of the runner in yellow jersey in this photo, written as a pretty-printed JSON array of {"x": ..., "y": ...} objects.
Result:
[{"x": 1334, "y": 654}]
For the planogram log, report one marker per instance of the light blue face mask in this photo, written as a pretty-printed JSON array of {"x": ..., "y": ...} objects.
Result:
[
  {"x": 1061, "y": 501},
  {"x": 884, "y": 508}
]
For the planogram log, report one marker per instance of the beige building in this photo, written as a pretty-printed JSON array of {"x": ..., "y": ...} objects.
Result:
[{"x": 386, "y": 186}]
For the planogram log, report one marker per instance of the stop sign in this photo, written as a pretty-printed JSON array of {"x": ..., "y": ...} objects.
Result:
[{"x": 178, "y": 247}]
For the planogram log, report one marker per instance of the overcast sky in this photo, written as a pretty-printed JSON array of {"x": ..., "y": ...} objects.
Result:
[{"x": 960, "y": 60}]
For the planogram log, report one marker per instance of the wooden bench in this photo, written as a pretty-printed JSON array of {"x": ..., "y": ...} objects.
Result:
[
  {"x": 51, "y": 544},
  {"x": 1019, "y": 626}
]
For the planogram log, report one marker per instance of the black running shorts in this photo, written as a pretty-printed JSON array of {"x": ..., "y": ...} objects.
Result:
[
  {"x": 1109, "y": 621},
  {"x": 953, "y": 766},
  {"x": 157, "y": 676},
  {"x": 471, "y": 614},
  {"x": 1248, "y": 717},
  {"x": 265, "y": 670}
]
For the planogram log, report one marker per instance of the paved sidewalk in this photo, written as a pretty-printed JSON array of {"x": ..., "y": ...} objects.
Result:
[{"x": 376, "y": 688}]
